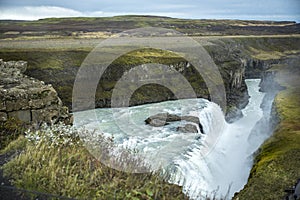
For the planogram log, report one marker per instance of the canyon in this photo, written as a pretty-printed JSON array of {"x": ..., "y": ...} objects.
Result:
[{"x": 274, "y": 58}]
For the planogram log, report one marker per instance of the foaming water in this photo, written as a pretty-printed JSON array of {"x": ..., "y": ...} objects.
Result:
[
  {"x": 201, "y": 163},
  {"x": 226, "y": 168}
]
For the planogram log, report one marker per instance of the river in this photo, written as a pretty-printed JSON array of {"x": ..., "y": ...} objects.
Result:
[{"x": 216, "y": 163}]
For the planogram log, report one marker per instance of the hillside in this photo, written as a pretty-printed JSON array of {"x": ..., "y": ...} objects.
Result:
[{"x": 107, "y": 26}]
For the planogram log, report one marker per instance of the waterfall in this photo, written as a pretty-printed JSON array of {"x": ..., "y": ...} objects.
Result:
[
  {"x": 216, "y": 163},
  {"x": 213, "y": 122},
  {"x": 225, "y": 169},
  {"x": 194, "y": 170}
]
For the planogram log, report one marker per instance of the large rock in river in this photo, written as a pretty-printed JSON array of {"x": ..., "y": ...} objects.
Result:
[
  {"x": 188, "y": 128},
  {"x": 162, "y": 119}
]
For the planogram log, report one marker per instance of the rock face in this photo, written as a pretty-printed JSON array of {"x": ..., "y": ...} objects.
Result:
[
  {"x": 61, "y": 75},
  {"x": 162, "y": 119},
  {"x": 26, "y": 98}
]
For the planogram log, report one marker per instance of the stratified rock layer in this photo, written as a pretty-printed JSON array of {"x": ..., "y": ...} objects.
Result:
[{"x": 26, "y": 98}]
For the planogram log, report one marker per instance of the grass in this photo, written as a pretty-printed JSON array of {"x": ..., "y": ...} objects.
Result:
[
  {"x": 148, "y": 55},
  {"x": 9, "y": 131},
  {"x": 58, "y": 163}
]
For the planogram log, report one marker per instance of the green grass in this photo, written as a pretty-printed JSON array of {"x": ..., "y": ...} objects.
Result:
[
  {"x": 9, "y": 131},
  {"x": 148, "y": 55}
]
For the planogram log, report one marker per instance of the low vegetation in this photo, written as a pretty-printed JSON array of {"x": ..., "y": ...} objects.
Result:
[
  {"x": 55, "y": 161},
  {"x": 78, "y": 27},
  {"x": 10, "y": 131}
]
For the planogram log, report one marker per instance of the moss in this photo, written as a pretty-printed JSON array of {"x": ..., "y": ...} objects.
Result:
[
  {"x": 270, "y": 47},
  {"x": 148, "y": 55}
]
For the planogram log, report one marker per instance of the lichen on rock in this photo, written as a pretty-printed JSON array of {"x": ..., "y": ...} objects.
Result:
[{"x": 28, "y": 99}]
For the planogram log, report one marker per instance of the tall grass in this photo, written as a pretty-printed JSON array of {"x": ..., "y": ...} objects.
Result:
[{"x": 55, "y": 161}]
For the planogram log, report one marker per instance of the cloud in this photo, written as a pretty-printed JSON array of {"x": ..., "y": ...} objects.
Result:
[
  {"x": 40, "y": 12},
  {"x": 36, "y": 12},
  {"x": 190, "y": 10}
]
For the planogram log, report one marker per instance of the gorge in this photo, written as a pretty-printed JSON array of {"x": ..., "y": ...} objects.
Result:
[{"x": 237, "y": 136}]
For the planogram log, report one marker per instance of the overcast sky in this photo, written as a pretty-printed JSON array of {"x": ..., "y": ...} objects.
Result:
[{"x": 198, "y": 9}]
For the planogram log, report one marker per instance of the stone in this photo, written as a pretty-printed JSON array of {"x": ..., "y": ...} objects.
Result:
[
  {"x": 2, "y": 105},
  {"x": 188, "y": 128},
  {"x": 191, "y": 119},
  {"x": 3, "y": 116},
  {"x": 49, "y": 115},
  {"x": 22, "y": 115},
  {"x": 157, "y": 122},
  {"x": 233, "y": 115},
  {"x": 21, "y": 65},
  {"x": 18, "y": 104},
  {"x": 162, "y": 119},
  {"x": 26, "y": 98}
]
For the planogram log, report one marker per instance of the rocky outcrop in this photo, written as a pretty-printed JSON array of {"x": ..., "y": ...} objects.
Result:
[
  {"x": 255, "y": 68},
  {"x": 26, "y": 98},
  {"x": 232, "y": 65},
  {"x": 162, "y": 119}
]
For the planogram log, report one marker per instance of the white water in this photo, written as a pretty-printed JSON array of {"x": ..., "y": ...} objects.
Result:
[{"x": 219, "y": 159}]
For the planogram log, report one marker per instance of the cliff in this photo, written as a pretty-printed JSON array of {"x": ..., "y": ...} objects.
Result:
[
  {"x": 236, "y": 58},
  {"x": 276, "y": 163},
  {"x": 59, "y": 68},
  {"x": 26, "y": 98}
]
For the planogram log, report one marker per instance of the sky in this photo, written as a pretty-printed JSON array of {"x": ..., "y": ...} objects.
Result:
[{"x": 277, "y": 10}]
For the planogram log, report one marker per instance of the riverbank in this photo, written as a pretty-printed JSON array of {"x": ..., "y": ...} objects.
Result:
[{"x": 277, "y": 162}]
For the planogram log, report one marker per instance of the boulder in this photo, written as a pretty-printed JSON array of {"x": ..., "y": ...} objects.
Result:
[
  {"x": 23, "y": 115},
  {"x": 188, "y": 128},
  {"x": 191, "y": 119},
  {"x": 162, "y": 119},
  {"x": 194, "y": 120}
]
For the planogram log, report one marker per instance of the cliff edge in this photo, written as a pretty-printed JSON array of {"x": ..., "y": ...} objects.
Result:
[{"x": 28, "y": 99}]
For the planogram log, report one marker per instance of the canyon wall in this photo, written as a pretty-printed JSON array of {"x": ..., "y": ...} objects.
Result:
[
  {"x": 276, "y": 163},
  {"x": 236, "y": 59}
]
